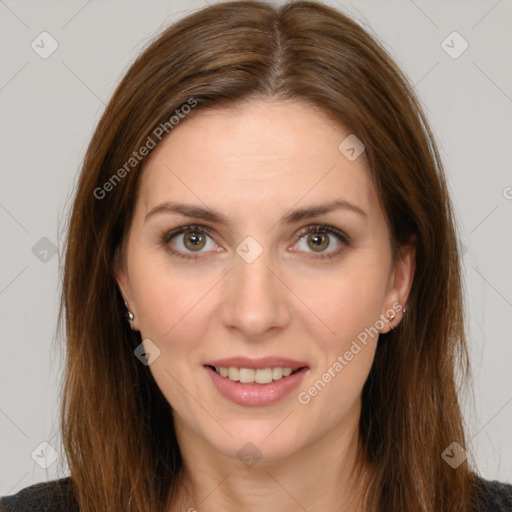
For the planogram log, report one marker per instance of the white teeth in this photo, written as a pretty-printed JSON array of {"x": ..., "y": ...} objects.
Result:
[
  {"x": 277, "y": 373},
  {"x": 263, "y": 376},
  {"x": 233, "y": 373},
  {"x": 250, "y": 375},
  {"x": 247, "y": 375}
]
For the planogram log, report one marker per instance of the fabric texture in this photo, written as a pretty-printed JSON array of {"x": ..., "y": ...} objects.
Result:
[
  {"x": 495, "y": 497},
  {"x": 57, "y": 496},
  {"x": 52, "y": 496}
]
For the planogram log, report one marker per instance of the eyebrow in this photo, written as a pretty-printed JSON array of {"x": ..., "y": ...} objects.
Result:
[{"x": 204, "y": 213}]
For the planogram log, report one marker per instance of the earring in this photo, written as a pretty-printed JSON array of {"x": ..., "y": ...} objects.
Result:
[
  {"x": 129, "y": 314},
  {"x": 391, "y": 318}
]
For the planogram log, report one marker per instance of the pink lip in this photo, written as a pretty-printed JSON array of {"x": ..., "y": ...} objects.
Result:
[
  {"x": 256, "y": 394},
  {"x": 264, "y": 362}
]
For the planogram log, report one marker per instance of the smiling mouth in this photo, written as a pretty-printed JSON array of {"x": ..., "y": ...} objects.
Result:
[{"x": 255, "y": 376}]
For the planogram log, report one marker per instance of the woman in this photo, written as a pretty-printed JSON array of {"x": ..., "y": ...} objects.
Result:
[{"x": 263, "y": 199}]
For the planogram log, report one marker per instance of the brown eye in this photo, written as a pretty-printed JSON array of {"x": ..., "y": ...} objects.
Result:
[
  {"x": 187, "y": 240},
  {"x": 318, "y": 241},
  {"x": 194, "y": 240}
]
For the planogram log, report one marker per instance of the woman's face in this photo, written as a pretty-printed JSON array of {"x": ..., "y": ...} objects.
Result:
[{"x": 256, "y": 286}]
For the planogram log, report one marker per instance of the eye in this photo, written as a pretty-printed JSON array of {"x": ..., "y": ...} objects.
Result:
[
  {"x": 193, "y": 238},
  {"x": 318, "y": 238}
]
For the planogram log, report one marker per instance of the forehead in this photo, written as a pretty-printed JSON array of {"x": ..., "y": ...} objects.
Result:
[{"x": 256, "y": 155}]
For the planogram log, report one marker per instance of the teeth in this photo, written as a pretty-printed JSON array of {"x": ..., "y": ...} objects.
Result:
[
  {"x": 262, "y": 376},
  {"x": 277, "y": 373},
  {"x": 233, "y": 373},
  {"x": 246, "y": 375},
  {"x": 249, "y": 375}
]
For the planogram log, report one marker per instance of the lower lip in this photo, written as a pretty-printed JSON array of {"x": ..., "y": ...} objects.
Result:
[{"x": 256, "y": 394}]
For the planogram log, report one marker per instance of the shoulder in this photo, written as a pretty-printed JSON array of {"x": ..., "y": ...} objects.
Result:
[
  {"x": 54, "y": 496},
  {"x": 494, "y": 496},
  {"x": 58, "y": 496}
]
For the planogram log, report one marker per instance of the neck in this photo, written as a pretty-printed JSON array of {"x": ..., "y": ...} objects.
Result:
[{"x": 328, "y": 475}]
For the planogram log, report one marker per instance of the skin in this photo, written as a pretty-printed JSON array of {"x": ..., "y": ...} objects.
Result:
[{"x": 254, "y": 163}]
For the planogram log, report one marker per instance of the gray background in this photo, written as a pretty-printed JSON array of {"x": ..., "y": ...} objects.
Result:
[{"x": 49, "y": 109}]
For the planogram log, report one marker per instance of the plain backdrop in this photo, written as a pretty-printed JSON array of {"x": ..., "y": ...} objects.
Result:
[{"x": 50, "y": 107}]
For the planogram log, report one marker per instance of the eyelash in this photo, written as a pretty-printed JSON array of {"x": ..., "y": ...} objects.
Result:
[{"x": 167, "y": 236}]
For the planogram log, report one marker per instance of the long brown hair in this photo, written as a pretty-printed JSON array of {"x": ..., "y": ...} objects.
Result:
[{"x": 116, "y": 424}]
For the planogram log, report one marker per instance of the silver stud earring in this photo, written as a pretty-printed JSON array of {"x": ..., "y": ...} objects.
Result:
[
  {"x": 129, "y": 314},
  {"x": 391, "y": 318}
]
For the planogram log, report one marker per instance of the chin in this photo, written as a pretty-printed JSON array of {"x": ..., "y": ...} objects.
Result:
[{"x": 257, "y": 441}]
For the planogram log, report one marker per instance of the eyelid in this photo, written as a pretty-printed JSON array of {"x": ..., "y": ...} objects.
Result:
[
  {"x": 168, "y": 235},
  {"x": 312, "y": 228}
]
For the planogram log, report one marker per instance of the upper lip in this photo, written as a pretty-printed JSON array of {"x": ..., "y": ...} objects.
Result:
[{"x": 264, "y": 362}]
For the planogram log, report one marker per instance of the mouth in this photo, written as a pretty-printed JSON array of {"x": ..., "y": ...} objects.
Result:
[
  {"x": 261, "y": 376},
  {"x": 255, "y": 382}
]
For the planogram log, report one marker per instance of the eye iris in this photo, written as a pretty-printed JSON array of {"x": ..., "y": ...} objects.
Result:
[
  {"x": 319, "y": 244},
  {"x": 196, "y": 239}
]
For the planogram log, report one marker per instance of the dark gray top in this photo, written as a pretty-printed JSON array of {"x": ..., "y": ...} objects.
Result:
[
  {"x": 57, "y": 496},
  {"x": 52, "y": 496}
]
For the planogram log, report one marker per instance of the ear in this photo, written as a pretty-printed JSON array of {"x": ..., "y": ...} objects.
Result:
[
  {"x": 123, "y": 281},
  {"x": 399, "y": 286}
]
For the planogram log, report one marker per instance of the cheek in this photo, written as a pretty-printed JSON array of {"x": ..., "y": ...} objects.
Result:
[
  {"x": 343, "y": 303},
  {"x": 349, "y": 304},
  {"x": 172, "y": 309},
  {"x": 169, "y": 300}
]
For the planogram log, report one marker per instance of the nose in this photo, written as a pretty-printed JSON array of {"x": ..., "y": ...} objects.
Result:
[{"x": 255, "y": 298}]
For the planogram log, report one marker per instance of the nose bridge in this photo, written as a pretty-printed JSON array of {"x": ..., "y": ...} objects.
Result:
[{"x": 255, "y": 300}]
